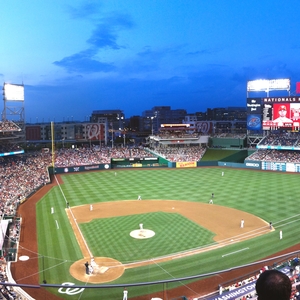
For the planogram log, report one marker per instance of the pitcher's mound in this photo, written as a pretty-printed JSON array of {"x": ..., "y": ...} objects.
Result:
[
  {"x": 142, "y": 234},
  {"x": 105, "y": 270}
]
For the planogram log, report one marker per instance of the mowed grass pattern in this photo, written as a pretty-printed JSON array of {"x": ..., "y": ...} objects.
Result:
[
  {"x": 270, "y": 195},
  {"x": 115, "y": 241}
]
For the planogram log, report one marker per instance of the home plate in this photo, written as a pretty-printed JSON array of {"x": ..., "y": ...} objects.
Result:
[
  {"x": 103, "y": 269},
  {"x": 23, "y": 257}
]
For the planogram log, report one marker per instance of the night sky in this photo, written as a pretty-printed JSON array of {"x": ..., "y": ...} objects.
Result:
[{"x": 78, "y": 56}]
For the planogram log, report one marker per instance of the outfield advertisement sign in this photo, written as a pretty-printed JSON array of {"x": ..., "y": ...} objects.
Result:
[
  {"x": 253, "y": 164},
  {"x": 274, "y": 166},
  {"x": 186, "y": 164},
  {"x": 75, "y": 169},
  {"x": 281, "y": 166},
  {"x": 247, "y": 165},
  {"x": 236, "y": 293},
  {"x": 291, "y": 167}
]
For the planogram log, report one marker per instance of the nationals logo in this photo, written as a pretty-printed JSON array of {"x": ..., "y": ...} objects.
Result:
[
  {"x": 67, "y": 289},
  {"x": 95, "y": 131},
  {"x": 204, "y": 127}
]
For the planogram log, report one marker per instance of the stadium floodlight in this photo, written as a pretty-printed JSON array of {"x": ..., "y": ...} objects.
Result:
[
  {"x": 264, "y": 85},
  {"x": 13, "y": 92}
]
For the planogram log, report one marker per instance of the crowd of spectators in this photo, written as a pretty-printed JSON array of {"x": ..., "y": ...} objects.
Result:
[
  {"x": 8, "y": 126},
  {"x": 20, "y": 176},
  {"x": 180, "y": 154},
  {"x": 291, "y": 139},
  {"x": 14, "y": 233},
  {"x": 275, "y": 156},
  {"x": 95, "y": 155},
  {"x": 230, "y": 135},
  {"x": 169, "y": 135},
  {"x": 8, "y": 147},
  {"x": 6, "y": 292}
]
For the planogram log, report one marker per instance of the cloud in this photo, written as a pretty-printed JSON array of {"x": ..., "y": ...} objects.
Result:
[
  {"x": 201, "y": 52},
  {"x": 150, "y": 60},
  {"x": 83, "y": 62},
  {"x": 84, "y": 10},
  {"x": 105, "y": 34}
]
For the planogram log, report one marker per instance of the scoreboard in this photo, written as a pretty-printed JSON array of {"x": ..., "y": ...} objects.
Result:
[
  {"x": 270, "y": 113},
  {"x": 280, "y": 166},
  {"x": 273, "y": 166}
]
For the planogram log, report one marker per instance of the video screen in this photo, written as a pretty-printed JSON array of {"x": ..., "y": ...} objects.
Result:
[
  {"x": 281, "y": 115},
  {"x": 273, "y": 113}
]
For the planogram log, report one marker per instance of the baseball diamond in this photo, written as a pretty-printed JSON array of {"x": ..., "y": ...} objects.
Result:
[
  {"x": 80, "y": 228},
  {"x": 200, "y": 213}
]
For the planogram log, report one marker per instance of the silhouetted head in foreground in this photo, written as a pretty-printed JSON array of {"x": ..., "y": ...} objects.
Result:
[{"x": 273, "y": 285}]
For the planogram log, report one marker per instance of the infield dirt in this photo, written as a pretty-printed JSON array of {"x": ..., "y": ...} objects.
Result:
[{"x": 224, "y": 222}]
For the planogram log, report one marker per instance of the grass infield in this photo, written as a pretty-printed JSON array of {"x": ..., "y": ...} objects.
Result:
[{"x": 271, "y": 196}]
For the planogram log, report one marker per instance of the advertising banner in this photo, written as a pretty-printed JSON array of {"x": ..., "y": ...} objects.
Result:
[
  {"x": 254, "y": 122},
  {"x": 186, "y": 164}
]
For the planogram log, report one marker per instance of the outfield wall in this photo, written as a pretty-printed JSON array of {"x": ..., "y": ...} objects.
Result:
[
  {"x": 74, "y": 169},
  {"x": 138, "y": 162},
  {"x": 236, "y": 160},
  {"x": 248, "y": 164}
]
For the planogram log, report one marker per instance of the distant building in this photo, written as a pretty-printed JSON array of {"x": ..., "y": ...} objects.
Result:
[
  {"x": 162, "y": 115},
  {"x": 226, "y": 114},
  {"x": 67, "y": 132},
  {"x": 115, "y": 118}
]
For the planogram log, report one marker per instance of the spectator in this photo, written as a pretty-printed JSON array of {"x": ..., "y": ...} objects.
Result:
[{"x": 273, "y": 285}]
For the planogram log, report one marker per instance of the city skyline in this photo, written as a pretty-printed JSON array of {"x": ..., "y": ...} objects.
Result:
[{"x": 79, "y": 56}]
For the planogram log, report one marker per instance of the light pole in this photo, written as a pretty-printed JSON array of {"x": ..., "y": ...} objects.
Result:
[
  {"x": 119, "y": 118},
  {"x": 119, "y": 121},
  {"x": 152, "y": 129},
  {"x": 112, "y": 135},
  {"x": 100, "y": 135},
  {"x": 152, "y": 125}
]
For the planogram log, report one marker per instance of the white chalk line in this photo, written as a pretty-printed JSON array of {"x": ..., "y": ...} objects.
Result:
[{"x": 235, "y": 252}]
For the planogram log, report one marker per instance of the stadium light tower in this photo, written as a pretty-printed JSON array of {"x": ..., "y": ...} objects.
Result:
[
  {"x": 151, "y": 118},
  {"x": 265, "y": 85}
]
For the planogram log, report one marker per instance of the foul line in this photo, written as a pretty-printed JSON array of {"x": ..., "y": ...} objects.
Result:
[
  {"x": 235, "y": 252},
  {"x": 74, "y": 220}
]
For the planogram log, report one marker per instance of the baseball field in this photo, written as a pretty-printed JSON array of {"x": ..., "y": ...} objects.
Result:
[{"x": 188, "y": 236}]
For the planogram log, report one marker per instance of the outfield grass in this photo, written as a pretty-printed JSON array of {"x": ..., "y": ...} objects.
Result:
[{"x": 269, "y": 195}]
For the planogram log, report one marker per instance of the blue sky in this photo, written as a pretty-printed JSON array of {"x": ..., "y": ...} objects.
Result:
[{"x": 78, "y": 56}]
